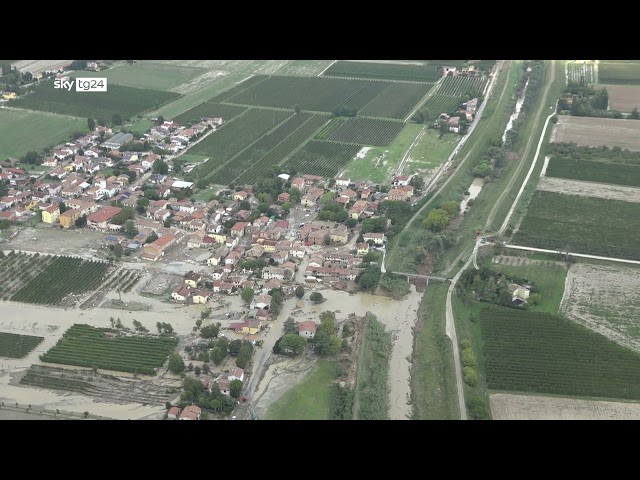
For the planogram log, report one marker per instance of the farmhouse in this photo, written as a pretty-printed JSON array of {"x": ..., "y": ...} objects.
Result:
[
  {"x": 519, "y": 294},
  {"x": 173, "y": 413},
  {"x": 182, "y": 292},
  {"x": 307, "y": 329},
  {"x": 192, "y": 412},
  {"x": 363, "y": 248},
  {"x": 400, "y": 181},
  {"x": 376, "y": 238}
]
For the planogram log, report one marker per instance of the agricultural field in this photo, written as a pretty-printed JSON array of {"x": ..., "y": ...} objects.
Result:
[
  {"x": 86, "y": 346},
  {"x": 590, "y": 189},
  {"x": 320, "y": 157},
  {"x": 330, "y": 127},
  {"x": 548, "y": 276},
  {"x": 437, "y": 104},
  {"x": 623, "y": 73},
  {"x": 126, "y": 101},
  {"x": 583, "y": 72},
  {"x": 240, "y": 87},
  {"x": 581, "y": 225},
  {"x": 208, "y": 109},
  {"x": 605, "y": 299},
  {"x": 594, "y": 171},
  {"x": 623, "y": 98},
  {"x": 148, "y": 74},
  {"x": 543, "y": 353},
  {"x": 594, "y": 132},
  {"x": 367, "y": 131},
  {"x": 460, "y": 86},
  {"x": 536, "y": 407},
  {"x": 269, "y": 149},
  {"x": 48, "y": 279},
  {"x": 13, "y": 345},
  {"x": 234, "y": 136},
  {"x": 397, "y": 100},
  {"x": 304, "y": 67},
  {"x": 22, "y": 131},
  {"x": 387, "y": 71}
]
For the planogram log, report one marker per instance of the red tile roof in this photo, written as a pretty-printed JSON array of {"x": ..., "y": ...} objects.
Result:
[{"x": 104, "y": 214}]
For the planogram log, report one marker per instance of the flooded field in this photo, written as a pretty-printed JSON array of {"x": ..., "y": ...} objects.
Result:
[{"x": 474, "y": 191}]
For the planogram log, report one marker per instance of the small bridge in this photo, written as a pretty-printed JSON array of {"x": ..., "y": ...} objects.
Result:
[{"x": 415, "y": 275}]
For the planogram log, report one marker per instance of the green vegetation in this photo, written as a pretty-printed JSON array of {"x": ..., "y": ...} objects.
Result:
[
  {"x": 433, "y": 382},
  {"x": 234, "y": 136},
  {"x": 340, "y": 403},
  {"x": 86, "y": 346},
  {"x": 148, "y": 74},
  {"x": 581, "y": 224},
  {"x": 389, "y": 71},
  {"x": 373, "y": 372},
  {"x": 544, "y": 353},
  {"x": 460, "y": 87},
  {"x": 329, "y": 128},
  {"x": 583, "y": 73},
  {"x": 118, "y": 100},
  {"x": 367, "y": 131},
  {"x": 437, "y": 104},
  {"x": 627, "y": 73},
  {"x": 209, "y": 110},
  {"x": 397, "y": 100},
  {"x": 13, "y": 345},
  {"x": 311, "y": 398},
  {"x": 23, "y": 131},
  {"x": 321, "y": 157},
  {"x": 240, "y": 87},
  {"x": 594, "y": 171},
  {"x": 396, "y": 285},
  {"x": 61, "y": 277}
]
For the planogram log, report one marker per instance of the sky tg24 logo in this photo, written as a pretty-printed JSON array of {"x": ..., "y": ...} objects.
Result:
[{"x": 82, "y": 84}]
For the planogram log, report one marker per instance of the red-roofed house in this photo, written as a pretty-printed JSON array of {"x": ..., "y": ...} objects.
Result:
[
  {"x": 307, "y": 329},
  {"x": 173, "y": 413},
  {"x": 155, "y": 250},
  {"x": 400, "y": 181},
  {"x": 284, "y": 197},
  {"x": 100, "y": 219},
  {"x": 298, "y": 183},
  {"x": 238, "y": 229},
  {"x": 192, "y": 412}
]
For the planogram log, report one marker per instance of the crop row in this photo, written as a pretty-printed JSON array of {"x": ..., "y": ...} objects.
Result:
[
  {"x": 329, "y": 128},
  {"x": 13, "y": 345},
  {"x": 583, "y": 73},
  {"x": 251, "y": 155},
  {"x": 282, "y": 150},
  {"x": 320, "y": 157},
  {"x": 86, "y": 346},
  {"x": 619, "y": 73},
  {"x": 126, "y": 101},
  {"x": 367, "y": 131},
  {"x": 437, "y": 104},
  {"x": 594, "y": 171},
  {"x": 397, "y": 100},
  {"x": 249, "y": 82},
  {"x": 582, "y": 225},
  {"x": 545, "y": 353},
  {"x": 55, "y": 383},
  {"x": 209, "y": 110},
  {"x": 460, "y": 86},
  {"x": 417, "y": 73},
  {"x": 63, "y": 276},
  {"x": 231, "y": 138}
]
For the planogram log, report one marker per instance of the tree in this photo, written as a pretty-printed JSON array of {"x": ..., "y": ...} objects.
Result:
[
  {"x": 634, "y": 114},
  {"x": 158, "y": 325},
  {"x": 91, "y": 123},
  {"x": 235, "y": 388},
  {"x": 534, "y": 299},
  {"x": 117, "y": 250},
  {"x": 159, "y": 120},
  {"x": 417, "y": 182},
  {"x": 160, "y": 167},
  {"x": 197, "y": 370},
  {"x": 299, "y": 291},
  {"x": 483, "y": 169},
  {"x": 204, "y": 314},
  {"x": 234, "y": 347},
  {"x": 116, "y": 119},
  {"x": 247, "y": 294},
  {"x": 293, "y": 344},
  {"x": 210, "y": 331},
  {"x": 290, "y": 326},
  {"x": 176, "y": 364},
  {"x": 151, "y": 238},
  {"x": 452, "y": 208},
  {"x": 81, "y": 221},
  {"x": 316, "y": 297},
  {"x": 129, "y": 229},
  {"x": 437, "y": 220},
  {"x": 368, "y": 279},
  {"x": 296, "y": 108}
]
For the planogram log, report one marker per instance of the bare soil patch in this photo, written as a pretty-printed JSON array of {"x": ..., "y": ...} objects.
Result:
[
  {"x": 623, "y": 98},
  {"x": 605, "y": 299},
  {"x": 589, "y": 189},
  {"x": 594, "y": 132},
  {"x": 525, "y": 407}
]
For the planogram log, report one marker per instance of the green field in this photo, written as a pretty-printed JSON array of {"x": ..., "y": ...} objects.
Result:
[
  {"x": 389, "y": 71},
  {"x": 594, "y": 171},
  {"x": 433, "y": 382},
  {"x": 207, "y": 109},
  {"x": 549, "y": 277},
  {"x": 13, "y": 345},
  {"x": 460, "y": 86},
  {"x": 86, "y": 346},
  {"x": 367, "y": 131},
  {"x": 581, "y": 225},
  {"x": 22, "y": 131},
  {"x": 148, "y": 74},
  {"x": 126, "y": 101},
  {"x": 397, "y": 100},
  {"x": 319, "y": 157},
  {"x": 372, "y": 393},
  {"x": 309, "y": 399},
  {"x": 627, "y": 73},
  {"x": 542, "y": 353},
  {"x": 191, "y": 158},
  {"x": 430, "y": 151},
  {"x": 304, "y": 67},
  {"x": 437, "y": 104}
]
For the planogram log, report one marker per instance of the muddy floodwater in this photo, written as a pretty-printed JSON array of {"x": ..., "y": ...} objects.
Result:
[
  {"x": 474, "y": 191},
  {"x": 399, "y": 317}
]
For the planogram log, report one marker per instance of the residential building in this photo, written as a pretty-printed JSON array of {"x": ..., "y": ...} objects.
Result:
[
  {"x": 192, "y": 412},
  {"x": 51, "y": 214},
  {"x": 173, "y": 413},
  {"x": 273, "y": 272},
  {"x": 118, "y": 140},
  {"x": 377, "y": 238},
  {"x": 100, "y": 219},
  {"x": 153, "y": 251},
  {"x": 340, "y": 234},
  {"x": 363, "y": 248},
  {"x": 192, "y": 279},
  {"x": 68, "y": 218},
  {"x": 307, "y": 329},
  {"x": 357, "y": 209}
]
